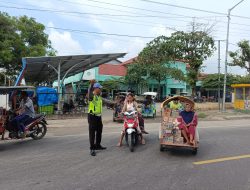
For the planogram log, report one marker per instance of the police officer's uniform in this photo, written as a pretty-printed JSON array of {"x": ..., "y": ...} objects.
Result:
[{"x": 95, "y": 121}]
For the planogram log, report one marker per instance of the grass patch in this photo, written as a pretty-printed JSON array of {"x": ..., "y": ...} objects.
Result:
[
  {"x": 242, "y": 111},
  {"x": 202, "y": 115}
]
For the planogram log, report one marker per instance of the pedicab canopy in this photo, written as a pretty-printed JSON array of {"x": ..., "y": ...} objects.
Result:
[
  {"x": 180, "y": 98},
  {"x": 152, "y": 94},
  {"x": 6, "y": 90}
]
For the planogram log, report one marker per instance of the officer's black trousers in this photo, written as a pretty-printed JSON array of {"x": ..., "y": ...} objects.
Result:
[{"x": 95, "y": 130}]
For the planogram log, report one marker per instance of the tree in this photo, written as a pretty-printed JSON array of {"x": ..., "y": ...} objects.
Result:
[
  {"x": 113, "y": 84},
  {"x": 156, "y": 59},
  {"x": 136, "y": 76},
  {"x": 194, "y": 47},
  {"x": 211, "y": 81},
  {"x": 241, "y": 57},
  {"x": 243, "y": 80},
  {"x": 21, "y": 37}
]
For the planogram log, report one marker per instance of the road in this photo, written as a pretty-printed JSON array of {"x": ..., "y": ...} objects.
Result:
[{"x": 61, "y": 160}]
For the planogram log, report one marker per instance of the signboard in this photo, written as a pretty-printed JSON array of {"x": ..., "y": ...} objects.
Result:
[{"x": 89, "y": 74}]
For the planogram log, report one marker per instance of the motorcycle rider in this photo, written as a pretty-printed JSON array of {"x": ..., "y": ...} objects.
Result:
[
  {"x": 25, "y": 113},
  {"x": 130, "y": 105}
]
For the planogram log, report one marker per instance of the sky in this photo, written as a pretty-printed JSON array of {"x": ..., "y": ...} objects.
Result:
[{"x": 113, "y": 26}]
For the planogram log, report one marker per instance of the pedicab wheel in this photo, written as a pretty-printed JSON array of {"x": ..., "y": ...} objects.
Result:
[
  {"x": 161, "y": 148},
  {"x": 194, "y": 151},
  {"x": 40, "y": 131}
]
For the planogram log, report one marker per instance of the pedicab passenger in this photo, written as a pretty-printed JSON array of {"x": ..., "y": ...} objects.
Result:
[
  {"x": 188, "y": 123},
  {"x": 175, "y": 105},
  {"x": 148, "y": 102},
  {"x": 131, "y": 105}
]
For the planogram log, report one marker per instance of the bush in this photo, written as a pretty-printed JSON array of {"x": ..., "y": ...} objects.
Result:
[{"x": 202, "y": 115}]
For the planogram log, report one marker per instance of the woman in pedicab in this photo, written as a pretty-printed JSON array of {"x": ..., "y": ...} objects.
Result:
[
  {"x": 179, "y": 126},
  {"x": 188, "y": 123}
]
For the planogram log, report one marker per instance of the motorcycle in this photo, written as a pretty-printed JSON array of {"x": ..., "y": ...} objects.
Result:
[
  {"x": 130, "y": 125},
  {"x": 36, "y": 128}
]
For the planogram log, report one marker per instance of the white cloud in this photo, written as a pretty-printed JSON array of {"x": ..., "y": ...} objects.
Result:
[
  {"x": 161, "y": 30},
  {"x": 64, "y": 43},
  {"x": 108, "y": 45}
]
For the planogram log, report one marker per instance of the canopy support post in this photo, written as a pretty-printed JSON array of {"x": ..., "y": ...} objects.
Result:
[{"x": 59, "y": 87}]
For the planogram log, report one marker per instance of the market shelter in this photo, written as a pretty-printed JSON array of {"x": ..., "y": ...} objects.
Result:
[
  {"x": 57, "y": 68},
  {"x": 241, "y": 96}
]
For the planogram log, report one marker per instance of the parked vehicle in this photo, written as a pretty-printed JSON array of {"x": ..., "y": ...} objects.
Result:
[{"x": 148, "y": 106}]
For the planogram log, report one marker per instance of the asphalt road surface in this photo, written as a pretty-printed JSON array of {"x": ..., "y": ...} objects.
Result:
[{"x": 61, "y": 161}]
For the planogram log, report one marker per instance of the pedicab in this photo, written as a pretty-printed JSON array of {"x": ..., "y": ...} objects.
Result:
[
  {"x": 170, "y": 134},
  {"x": 148, "y": 108},
  {"x": 35, "y": 128}
]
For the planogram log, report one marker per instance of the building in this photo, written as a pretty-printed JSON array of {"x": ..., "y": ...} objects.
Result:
[
  {"x": 169, "y": 86},
  {"x": 116, "y": 69}
]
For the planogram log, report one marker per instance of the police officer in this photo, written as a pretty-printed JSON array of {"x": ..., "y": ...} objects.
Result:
[{"x": 95, "y": 118}]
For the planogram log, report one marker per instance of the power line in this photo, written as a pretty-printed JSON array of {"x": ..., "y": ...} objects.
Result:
[
  {"x": 101, "y": 33},
  {"x": 63, "y": 11},
  {"x": 212, "y": 12},
  {"x": 119, "y": 21},
  {"x": 111, "y": 20},
  {"x": 124, "y": 6},
  {"x": 183, "y": 7},
  {"x": 139, "y": 15},
  {"x": 190, "y": 8}
]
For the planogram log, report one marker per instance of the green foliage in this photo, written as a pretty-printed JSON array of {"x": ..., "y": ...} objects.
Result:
[
  {"x": 202, "y": 115},
  {"x": 155, "y": 60},
  {"x": 136, "y": 76},
  {"x": 159, "y": 50},
  {"x": 113, "y": 83},
  {"x": 21, "y": 37},
  {"x": 194, "y": 47},
  {"x": 243, "y": 79},
  {"x": 241, "y": 57},
  {"x": 211, "y": 81}
]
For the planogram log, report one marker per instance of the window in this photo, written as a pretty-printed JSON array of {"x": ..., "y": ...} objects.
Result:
[
  {"x": 239, "y": 93},
  {"x": 247, "y": 91}
]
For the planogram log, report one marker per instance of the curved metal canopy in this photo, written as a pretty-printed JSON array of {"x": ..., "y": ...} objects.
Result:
[{"x": 40, "y": 69}]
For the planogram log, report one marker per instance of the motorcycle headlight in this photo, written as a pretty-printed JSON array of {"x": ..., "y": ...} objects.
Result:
[{"x": 130, "y": 125}]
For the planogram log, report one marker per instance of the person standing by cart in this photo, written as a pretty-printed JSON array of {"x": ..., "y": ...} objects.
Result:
[{"x": 95, "y": 118}]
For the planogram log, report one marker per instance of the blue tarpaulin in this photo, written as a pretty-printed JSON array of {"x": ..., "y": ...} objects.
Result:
[{"x": 46, "y": 96}]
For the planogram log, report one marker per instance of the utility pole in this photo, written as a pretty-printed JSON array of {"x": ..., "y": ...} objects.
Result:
[
  {"x": 219, "y": 75},
  {"x": 227, "y": 40}
]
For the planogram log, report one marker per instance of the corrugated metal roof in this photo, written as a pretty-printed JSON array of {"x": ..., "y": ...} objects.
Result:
[{"x": 39, "y": 69}]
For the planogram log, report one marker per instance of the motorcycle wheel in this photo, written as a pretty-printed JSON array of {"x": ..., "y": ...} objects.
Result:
[
  {"x": 41, "y": 130},
  {"x": 132, "y": 142}
]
